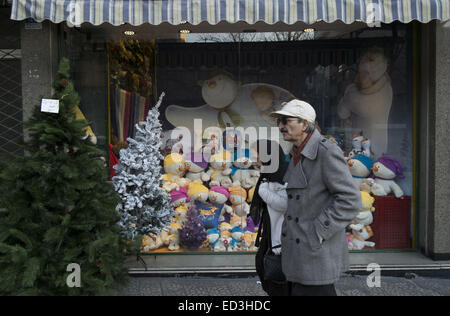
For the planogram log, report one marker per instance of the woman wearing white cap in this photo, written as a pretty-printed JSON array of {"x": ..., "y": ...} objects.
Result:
[{"x": 322, "y": 200}]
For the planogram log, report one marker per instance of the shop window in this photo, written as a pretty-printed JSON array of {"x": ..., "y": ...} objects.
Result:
[{"x": 360, "y": 84}]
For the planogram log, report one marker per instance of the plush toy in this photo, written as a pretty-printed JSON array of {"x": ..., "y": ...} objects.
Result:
[
  {"x": 250, "y": 194},
  {"x": 361, "y": 231},
  {"x": 241, "y": 173},
  {"x": 174, "y": 237},
  {"x": 237, "y": 221},
  {"x": 237, "y": 231},
  {"x": 248, "y": 241},
  {"x": 225, "y": 240},
  {"x": 150, "y": 242},
  {"x": 236, "y": 238},
  {"x": 238, "y": 198},
  {"x": 365, "y": 147},
  {"x": 213, "y": 236},
  {"x": 180, "y": 214},
  {"x": 225, "y": 226},
  {"x": 209, "y": 213},
  {"x": 358, "y": 239},
  {"x": 179, "y": 197},
  {"x": 220, "y": 195},
  {"x": 174, "y": 166},
  {"x": 366, "y": 185},
  {"x": 220, "y": 169},
  {"x": 364, "y": 217},
  {"x": 367, "y": 101},
  {"x": 360, "y": 168},
  {"x": 195, "y": 167},
  {"x": 356, "y": 146},
  {"x": 198, "y": 192},
  {"x": 385, "y": 170}
]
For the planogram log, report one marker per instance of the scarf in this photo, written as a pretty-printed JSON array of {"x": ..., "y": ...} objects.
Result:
[{"x": 298, "y": 150}]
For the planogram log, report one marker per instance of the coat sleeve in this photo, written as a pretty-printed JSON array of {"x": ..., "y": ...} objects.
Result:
[
  {"x": 346, "y": 195},
  {"x": 275, "y": 199}
]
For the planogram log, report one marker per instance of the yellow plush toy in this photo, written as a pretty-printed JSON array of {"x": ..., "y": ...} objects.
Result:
[
  {"x": 198, "y": 192},
  {"x": 89, "y": 132},
  {"x": 174, "y": 166}
]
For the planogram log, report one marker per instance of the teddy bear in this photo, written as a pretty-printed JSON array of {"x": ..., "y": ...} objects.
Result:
[
  {"x": 220, "y": 169},
  {"x": 360, "y": 168},
  {"x": 198, "y": 192},
  {"x": 174, "y": 167},
  {"x": 238, "y": 197},
  {"x": 195, "y": 167},
  {"x": 220, "y": 195},
  {"x": 385, "y": 170},
  {"x": 241, "y": 173}
]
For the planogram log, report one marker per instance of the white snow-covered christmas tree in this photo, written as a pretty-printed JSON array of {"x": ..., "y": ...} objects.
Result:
[{"x": 145, "y": 206}]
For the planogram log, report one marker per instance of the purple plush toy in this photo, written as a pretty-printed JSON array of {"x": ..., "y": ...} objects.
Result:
[{"x": 385, "y": 170}]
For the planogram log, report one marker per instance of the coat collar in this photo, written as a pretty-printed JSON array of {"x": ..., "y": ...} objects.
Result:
[{"x": 312, "y": 146}]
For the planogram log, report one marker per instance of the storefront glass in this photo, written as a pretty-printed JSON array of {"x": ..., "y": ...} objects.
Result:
[{"x": 220, "y": 89}]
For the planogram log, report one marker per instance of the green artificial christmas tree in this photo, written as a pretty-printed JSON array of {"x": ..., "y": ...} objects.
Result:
[{"x": 57, "y": 208}]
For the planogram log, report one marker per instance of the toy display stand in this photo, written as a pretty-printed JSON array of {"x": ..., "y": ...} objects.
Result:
[{"x": 392, "y": 222}]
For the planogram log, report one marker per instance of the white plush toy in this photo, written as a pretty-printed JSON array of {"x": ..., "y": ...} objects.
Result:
[
  {"x": 212, "y": 236},
  {"x": 367, "y": 101},
  {"x": 238, "y": 197},
  {"x": 365, "y": 144},
  {"x": 220, "y": 169},
  {"x": 220, "y": 195},
  {"x": 241, "y": 173},
  {"x": 360, "y": 168},
  {"x": 385, "y": 170},
  {"x": 174, "y": 237},
  {"x": 358, "y": 239},
  {"x": 195, "y": 167},
  {"x": 174, "y": 167},
  {"x": 225, "y": 240},
  {"x": 356, "y": 146}
]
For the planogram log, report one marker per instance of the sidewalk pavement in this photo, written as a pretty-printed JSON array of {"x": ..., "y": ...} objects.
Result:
[{"x": 349, "y": 285}]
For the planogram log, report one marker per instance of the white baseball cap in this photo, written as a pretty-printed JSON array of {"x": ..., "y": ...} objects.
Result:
[{"x": 297, "y": 108}]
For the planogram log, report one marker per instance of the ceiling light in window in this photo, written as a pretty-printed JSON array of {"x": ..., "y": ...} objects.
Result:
[
  {"x": 310, "y": 30},
  {"x": 129, "y": 33},
  {"x": 185, "y": 31}
]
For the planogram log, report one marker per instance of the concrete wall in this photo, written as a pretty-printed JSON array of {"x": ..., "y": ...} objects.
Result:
[
  {"x": 434, "y": 140},
  {"x": 39, "y": 64},
  {"x": 441, "y": 218}
]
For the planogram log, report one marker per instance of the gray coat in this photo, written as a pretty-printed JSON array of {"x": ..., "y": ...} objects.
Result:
[{"x": 322, "y": 200}]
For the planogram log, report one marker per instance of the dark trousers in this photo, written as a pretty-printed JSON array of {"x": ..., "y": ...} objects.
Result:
[{"x": 297, "y": 289}]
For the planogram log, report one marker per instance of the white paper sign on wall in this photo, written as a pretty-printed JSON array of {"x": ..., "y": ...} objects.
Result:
[{"x": 50, "y": 106}]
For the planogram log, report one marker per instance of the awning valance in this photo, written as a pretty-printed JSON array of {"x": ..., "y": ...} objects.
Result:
[{"x": 137, "y": 12}]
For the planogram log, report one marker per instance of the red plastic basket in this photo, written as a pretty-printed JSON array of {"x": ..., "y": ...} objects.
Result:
[{"x": 392, "y": 222}]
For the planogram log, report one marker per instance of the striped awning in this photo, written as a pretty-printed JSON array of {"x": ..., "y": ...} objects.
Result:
[{"x": 137, "y": 12}]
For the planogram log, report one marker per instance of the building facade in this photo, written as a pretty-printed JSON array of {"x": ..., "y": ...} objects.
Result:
[{"x": 376, "y": 69}]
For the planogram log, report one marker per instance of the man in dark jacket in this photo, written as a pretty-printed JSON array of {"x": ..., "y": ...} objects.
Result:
[{"x": 322, "y": 200}]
